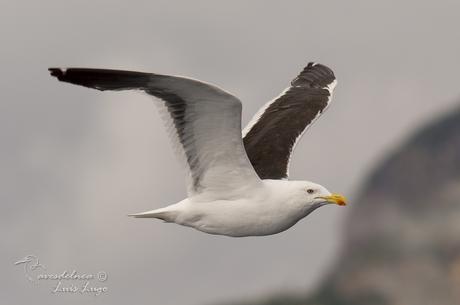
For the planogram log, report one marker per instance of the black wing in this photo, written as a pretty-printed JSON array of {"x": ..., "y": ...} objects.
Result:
[{"x": 272, "y": 134}]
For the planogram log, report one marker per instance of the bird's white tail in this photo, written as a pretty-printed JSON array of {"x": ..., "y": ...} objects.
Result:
[{"x": 163, "y": 214}]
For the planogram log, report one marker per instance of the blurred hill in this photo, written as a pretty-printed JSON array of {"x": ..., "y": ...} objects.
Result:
[{"x": 402, "y": 236}]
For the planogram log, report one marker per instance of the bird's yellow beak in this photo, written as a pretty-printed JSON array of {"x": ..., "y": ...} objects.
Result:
[{"x": 335, "y": 198}]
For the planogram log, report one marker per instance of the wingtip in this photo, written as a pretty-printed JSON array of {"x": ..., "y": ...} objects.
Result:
[
  {"x": 313, "y": 64},
  {"x": 56, "y": 72},
  {"x": 315, "y": 75}
]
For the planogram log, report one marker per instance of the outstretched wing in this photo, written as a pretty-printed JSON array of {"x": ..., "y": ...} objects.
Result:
[
  {"x": 271, "y": 135},
  {"x": 206, "y": 122}
]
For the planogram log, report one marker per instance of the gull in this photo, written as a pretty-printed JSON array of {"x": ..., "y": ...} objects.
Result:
[{"x": 237, "y": 181}]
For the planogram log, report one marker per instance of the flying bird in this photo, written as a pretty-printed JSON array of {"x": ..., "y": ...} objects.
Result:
[{"x": 237, "y": 180}]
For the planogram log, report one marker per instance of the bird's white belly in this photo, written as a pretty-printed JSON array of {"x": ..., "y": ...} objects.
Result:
[{"x": 238, "y": 218}]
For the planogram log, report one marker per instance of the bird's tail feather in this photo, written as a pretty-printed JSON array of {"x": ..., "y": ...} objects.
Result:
[{"x": 158, "y": 213}]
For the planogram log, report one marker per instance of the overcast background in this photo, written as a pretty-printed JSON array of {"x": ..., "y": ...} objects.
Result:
[{"x": 75, "y": 161}]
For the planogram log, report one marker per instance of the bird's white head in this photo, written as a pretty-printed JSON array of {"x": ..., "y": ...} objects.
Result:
[
  {"x": 318, "y": 194},
  {"x": 309, "y": 196}
]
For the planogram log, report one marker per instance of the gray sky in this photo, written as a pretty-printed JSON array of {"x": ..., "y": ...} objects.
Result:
[{"x": 75, "y": 161}]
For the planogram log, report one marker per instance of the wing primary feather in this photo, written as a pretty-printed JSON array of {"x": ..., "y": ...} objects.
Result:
[{"x": 102, "y": 79}]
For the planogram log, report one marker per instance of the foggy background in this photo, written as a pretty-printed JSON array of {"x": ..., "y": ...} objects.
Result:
[{"x": 75, "y": 161}]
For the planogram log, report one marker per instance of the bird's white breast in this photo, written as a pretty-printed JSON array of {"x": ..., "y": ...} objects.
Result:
[{"x": 267, "y": 211}]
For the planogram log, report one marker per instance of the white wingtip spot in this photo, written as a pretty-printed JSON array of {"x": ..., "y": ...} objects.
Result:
[{"x": 331, "y": 86}]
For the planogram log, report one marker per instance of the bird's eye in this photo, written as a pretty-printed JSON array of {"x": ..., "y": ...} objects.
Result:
[{"x": 310, "y": 191}]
